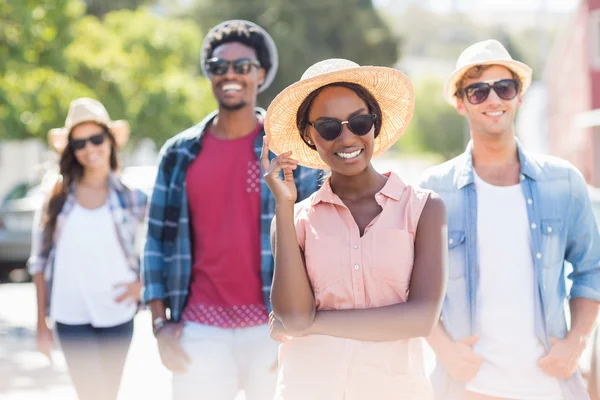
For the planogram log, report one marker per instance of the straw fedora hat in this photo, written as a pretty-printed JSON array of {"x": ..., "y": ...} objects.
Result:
[
  {"x": 87, "y": 110},
  {"x": 488, "y": 52},
  {"x": 271, "y": 48},
  {"x": 390, "y": 87}
]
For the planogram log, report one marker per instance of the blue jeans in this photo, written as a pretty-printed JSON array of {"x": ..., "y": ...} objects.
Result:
[{"x": 95, "y": 357}]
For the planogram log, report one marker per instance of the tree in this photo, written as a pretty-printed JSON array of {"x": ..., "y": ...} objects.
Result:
[
  {"x": 143, "y": 67},
  {"x": 33, "y": 83},
  {"x": 307, "y": 31},
  {"x": 35, "y": 32},
  {"x": 436, "y": 127},
  {"x": 100, "y": 8}
]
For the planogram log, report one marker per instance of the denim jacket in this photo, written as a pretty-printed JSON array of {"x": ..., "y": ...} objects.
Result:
[{"x": 563, "y": 228}]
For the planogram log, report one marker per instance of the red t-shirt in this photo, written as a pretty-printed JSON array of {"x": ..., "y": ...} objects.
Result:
[{"x": 223, "y": 188}]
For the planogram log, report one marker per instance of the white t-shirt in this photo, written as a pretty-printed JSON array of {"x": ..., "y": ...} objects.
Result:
[
  {"x": 506, "y": 300},
  {"x": 89, "y": 262}
]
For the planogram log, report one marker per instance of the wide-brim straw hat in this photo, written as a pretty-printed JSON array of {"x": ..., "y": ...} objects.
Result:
[
  {"x": 488, "y": 52},
  {"x": 391, "y": 88},
  {"x": 87, "y": 110},
  {"x": 271, "y": 48}
]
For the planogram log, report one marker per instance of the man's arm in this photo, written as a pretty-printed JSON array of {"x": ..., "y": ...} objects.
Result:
[
  {"x": 152, "y": 270},
  {"x": 583, "y": 252},
  {"x": 583, "y": 243},
  {"x": 167, "y": 334}
]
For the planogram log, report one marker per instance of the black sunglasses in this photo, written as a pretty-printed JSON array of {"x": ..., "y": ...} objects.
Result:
[
  {"x": 219, "y": 66},
  {"x": 477, "y": 93},
  {"x": 96, "y": 140},
  {"x": 331, "y": 129}
]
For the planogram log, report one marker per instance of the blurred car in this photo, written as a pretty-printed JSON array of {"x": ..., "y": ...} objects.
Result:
[
  {"x": 16, "y": 218},
  {"x": 19, "y": 205}
]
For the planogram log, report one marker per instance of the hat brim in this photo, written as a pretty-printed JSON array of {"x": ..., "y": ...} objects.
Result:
[
  {"x": 58, "y": 138},
  {"x": 523, "y": 71},
  {"x": 391, "y": 88},
  {"x": 271, "y": 48}
]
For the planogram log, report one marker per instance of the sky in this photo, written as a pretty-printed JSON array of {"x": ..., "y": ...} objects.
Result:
[{"x": 488, "y": 6}]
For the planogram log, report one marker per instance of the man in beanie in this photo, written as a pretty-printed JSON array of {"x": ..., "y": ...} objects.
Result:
[
  {"x": 207, "y": 264},
  {"x": 514, "y": 219}
]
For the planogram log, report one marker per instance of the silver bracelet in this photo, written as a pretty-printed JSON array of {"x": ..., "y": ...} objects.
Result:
[{"x": 158, "y": 324}]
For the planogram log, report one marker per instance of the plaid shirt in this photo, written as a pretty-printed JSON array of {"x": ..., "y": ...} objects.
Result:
[
  {"x": 128, "y": 209},
  {"x": 167, "y": 257}
]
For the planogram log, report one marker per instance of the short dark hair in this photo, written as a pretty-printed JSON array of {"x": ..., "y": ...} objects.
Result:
[
  {"x": 241, "y": 33},
  {"x": 364, "y": 94}
]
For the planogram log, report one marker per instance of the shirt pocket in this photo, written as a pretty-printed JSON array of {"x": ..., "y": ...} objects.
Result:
[
  {"x": 393, "y": 255},
  {"x": 456, "y": 254},
  {"x": 552, "y": 252},
  {"x": 323, "y": 261}
]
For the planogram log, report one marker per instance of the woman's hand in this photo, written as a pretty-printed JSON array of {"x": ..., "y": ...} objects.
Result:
[
  {"x": 133, "y": 291},
  {"x": 44, "y": 339},
  {"x": 284, "y": 190}
]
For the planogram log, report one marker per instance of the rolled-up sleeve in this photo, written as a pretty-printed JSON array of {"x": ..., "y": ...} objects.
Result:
[{"x": 583, "y": 241}]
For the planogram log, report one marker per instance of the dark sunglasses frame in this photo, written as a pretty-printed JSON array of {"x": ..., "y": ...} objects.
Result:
[
  {"x": 320, "y": 124},
  {"x": 486, "y": 88},
  {"x": 220, "y": 66},
  {"x": 96, "y": 140}
]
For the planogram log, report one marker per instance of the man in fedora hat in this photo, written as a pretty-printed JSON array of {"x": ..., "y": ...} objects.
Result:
[
  {"x": 207, "y": 262},
  {"x": 514, "y": 218}
]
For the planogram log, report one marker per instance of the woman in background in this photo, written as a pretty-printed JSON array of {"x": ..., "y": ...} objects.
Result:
[{"x": 84, "y": 262}]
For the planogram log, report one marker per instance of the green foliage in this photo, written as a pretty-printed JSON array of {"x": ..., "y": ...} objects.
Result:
[
  {"x": 436, "y": 126},
  {"x": 100, "y": 8},
  {"x": 141, "y": 66},
  {"x": 144, "y": 68},
  {"x": 35, "y": 32},
  {"x": 307, "y": 31}
]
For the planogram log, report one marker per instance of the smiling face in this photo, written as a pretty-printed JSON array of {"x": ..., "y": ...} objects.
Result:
[
  {"x": 93, "y": 156},
  {"x": 232, "y": 90},
  {"x": 348, "y": 154},
  {"x": 494, "y": 117}
]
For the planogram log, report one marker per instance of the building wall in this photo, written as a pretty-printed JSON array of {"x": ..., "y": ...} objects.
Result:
[{"x": 569, "y": 81}]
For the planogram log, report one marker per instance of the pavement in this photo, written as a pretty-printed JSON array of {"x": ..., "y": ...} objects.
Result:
[{"x": 26, "y": 374}]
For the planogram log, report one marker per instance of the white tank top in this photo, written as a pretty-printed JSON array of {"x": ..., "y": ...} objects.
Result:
[{"x": 89, "y": 262}]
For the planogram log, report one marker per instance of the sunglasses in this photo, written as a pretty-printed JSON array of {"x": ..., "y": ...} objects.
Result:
[
  {"x": 96, "y": 140},
  {"x": 241, "y": 66},
  {"x": 331, "y": 129},
  {"x": 477, "y": 93}
]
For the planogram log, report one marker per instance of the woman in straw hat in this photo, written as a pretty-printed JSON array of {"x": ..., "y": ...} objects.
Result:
[
  {"x": 83, "y": 259},
  {"x": 360, "y": 265}
]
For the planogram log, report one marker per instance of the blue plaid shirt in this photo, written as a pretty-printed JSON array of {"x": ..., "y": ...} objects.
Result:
[{"x": 167, "y": 257}]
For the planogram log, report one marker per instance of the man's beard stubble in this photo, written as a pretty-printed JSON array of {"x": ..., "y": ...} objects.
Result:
[{"x": 232, "y": 107}]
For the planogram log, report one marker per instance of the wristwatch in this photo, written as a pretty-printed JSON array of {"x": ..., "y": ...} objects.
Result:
[{"x": 157, "y": 324}]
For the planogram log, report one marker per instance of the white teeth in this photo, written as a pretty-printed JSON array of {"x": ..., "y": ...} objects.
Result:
[
  {"x": 349, "y": 155},
  {"x": 231, "y": 87},
  {"x": 494, "y": 113}
]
